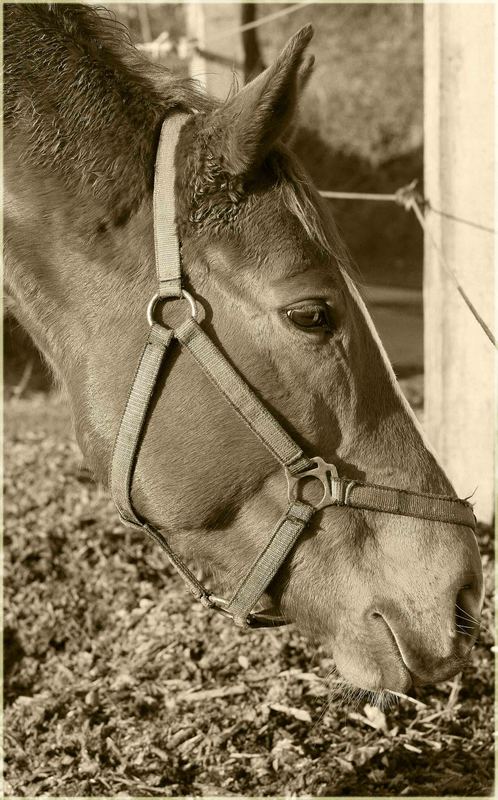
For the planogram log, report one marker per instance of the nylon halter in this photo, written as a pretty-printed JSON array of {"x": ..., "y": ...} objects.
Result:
[{"x": 337, "y": 491}]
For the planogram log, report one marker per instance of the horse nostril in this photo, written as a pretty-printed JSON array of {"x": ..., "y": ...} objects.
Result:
[{"x": 467, "y": 613}]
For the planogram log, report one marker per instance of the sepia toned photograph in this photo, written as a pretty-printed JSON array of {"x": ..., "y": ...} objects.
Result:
[{"x": 249, "y": 399}]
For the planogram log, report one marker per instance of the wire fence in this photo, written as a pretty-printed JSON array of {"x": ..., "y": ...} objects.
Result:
[
  {"x": 258, "y": 22},
  {"x": 163, "y": 45},
  {"x": 411, "y": 200}
]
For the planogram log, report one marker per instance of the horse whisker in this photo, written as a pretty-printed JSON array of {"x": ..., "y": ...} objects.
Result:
[{"x": 465, "y": 613}]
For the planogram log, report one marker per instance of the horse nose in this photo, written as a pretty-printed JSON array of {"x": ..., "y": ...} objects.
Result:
[
  {"x": 435, "y": 643},
  {"x": 468, "y": 611}
]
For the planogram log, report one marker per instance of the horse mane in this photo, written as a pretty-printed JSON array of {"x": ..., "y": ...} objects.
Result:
[
  {"x": 89, "y": 104},
  {"x": 90, "y": 108}
]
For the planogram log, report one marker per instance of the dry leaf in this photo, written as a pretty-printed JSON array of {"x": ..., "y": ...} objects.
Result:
[
  {"x": 212, "y": 694},
  {"x": 411, "y": 748},
  {"x": 376, "y": 717},
  {"x": 290, "y": 711}
]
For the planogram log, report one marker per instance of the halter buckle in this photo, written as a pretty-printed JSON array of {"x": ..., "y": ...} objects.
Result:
[
  {"x": 265, "y": 618},
  {"x": 193, "y": 303},
  {"x": 334, "y": 492}
]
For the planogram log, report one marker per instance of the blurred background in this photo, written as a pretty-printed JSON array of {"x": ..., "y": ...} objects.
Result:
[{"x": 361, "y": 130}]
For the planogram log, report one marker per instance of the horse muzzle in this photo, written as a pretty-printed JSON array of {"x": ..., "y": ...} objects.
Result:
[{"x": 396, "y": 649}]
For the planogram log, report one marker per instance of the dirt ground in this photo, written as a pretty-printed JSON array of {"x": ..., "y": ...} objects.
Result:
[{"x": 116, "y": 683}]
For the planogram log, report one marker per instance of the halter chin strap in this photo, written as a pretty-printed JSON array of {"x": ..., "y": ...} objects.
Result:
[{"x": 337, "y": 491}]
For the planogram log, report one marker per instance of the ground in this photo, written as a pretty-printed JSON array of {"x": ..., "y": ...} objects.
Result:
[{"x": 116, "y": 683}]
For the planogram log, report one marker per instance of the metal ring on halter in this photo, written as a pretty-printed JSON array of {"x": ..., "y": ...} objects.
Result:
[
  {"x": 194, "y": 310},
  {"x": 324, "y": 472}
]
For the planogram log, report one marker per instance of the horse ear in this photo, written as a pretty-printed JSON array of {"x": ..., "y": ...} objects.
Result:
[{"x": 260, "y": 113}]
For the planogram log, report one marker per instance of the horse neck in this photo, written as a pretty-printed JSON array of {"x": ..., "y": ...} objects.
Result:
[
  {"x": 80, "y": 293},
  {"x": 83, "y": 297}
]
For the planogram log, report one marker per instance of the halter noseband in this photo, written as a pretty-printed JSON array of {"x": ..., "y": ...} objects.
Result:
[{"x": 337, "y": 491}]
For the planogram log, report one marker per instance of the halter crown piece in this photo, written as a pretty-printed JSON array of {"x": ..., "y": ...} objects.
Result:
[{"x": 337, "y": 491}]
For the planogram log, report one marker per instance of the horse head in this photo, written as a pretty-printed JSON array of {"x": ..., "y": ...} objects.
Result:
[{"x": 395, "y": 598}]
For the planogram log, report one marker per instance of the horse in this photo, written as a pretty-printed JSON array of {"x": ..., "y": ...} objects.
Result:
[{"x": 395, "y": 599}]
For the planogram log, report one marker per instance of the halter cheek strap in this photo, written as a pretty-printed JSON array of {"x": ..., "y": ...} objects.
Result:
[
  {"x": 168, "y": 259},
  {"x": 336, "y": 490}
]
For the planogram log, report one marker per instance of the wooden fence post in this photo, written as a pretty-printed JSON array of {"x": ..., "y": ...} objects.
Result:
[
  {"x": 216, "y": 60},
  {"x": 459, "y": 179}
]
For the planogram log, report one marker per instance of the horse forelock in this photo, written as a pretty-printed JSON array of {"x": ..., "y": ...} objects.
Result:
[{"x": 214, "y": 201}]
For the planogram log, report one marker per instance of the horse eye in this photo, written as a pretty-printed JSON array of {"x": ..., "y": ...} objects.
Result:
[{"x": 311, "y": 318}]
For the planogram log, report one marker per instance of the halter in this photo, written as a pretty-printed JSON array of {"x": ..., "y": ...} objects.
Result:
[{"x": 337, "y": 491}]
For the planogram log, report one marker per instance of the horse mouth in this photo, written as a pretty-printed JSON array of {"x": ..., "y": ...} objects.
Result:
[
  {"x": 422, "y": 668},
  {"x": 373, "y": 662},
  {"x": 394, "y": 665}
]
